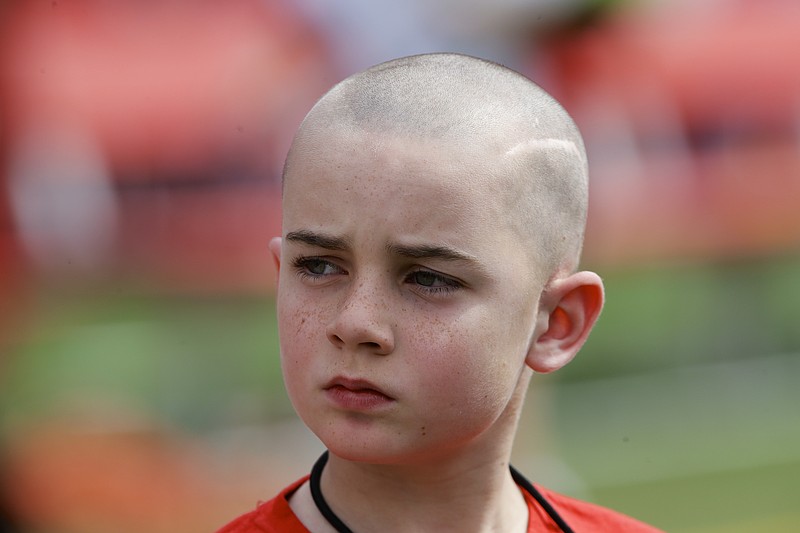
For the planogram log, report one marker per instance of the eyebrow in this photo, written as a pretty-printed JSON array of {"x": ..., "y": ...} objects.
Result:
[
  {"x": 429, "y": 252},
  {"x": 329, "y": 242}
]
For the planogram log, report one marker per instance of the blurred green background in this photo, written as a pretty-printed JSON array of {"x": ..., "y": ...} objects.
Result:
[{"x": 140, "y": 152}]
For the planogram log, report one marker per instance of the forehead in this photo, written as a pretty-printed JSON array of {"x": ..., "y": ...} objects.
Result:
[{"x": 345, "y": 169}]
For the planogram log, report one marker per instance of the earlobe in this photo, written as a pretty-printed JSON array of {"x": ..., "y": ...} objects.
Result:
[
  {"x": 568, "y": 310},
  {"x": 275, "y": 250}
]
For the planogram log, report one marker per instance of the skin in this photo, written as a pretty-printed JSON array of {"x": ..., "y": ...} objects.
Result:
[{"x": 398, "y": 268}]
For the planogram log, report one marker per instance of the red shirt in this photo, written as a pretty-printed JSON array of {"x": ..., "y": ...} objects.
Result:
[{"x": 275, "y": 516}]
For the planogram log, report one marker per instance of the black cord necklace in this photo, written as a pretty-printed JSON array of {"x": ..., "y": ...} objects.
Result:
[
  {"x": 341, "y": 527},
  {"x": 319, "y": 499}
]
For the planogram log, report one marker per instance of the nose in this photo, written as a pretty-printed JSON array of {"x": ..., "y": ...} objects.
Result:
[{"x": 360, "y": 322}]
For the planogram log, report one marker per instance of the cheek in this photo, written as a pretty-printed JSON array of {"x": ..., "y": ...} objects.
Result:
[
  {"x": 299, "y": 317},
  {"x": 299, "y": 330},
  {"x": 300, "y": 346},
  {"x": 465, "y": 370}
]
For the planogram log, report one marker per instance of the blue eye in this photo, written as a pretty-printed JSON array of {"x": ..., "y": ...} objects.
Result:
[
  {"x": 316, "y": 267},
  {"x": 426, "y": 279},
  {"x": 431, "y": 282}
]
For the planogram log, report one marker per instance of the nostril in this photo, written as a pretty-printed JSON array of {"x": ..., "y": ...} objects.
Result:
[{"x": 336, "y": 340}]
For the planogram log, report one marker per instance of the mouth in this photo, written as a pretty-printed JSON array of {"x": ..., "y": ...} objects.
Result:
[
  {"x": 356, "y": 394},
  {"x": 355, "y": 385}
]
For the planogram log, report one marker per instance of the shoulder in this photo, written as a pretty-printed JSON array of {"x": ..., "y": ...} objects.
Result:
[
  {"x": 584, "y": 516},
  {"x": 274, "y": 516}
]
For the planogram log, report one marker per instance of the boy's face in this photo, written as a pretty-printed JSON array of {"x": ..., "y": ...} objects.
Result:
[{"x": 406, "y": 303}]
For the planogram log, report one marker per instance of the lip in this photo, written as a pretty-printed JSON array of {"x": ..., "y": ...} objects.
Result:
[{"x": 356, "y": 394}]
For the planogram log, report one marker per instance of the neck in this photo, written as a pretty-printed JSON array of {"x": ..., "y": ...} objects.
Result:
[{"x": 457, "y": 496}]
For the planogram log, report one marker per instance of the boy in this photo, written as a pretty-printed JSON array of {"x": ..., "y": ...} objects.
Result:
[{"x": 433, "y": 216}]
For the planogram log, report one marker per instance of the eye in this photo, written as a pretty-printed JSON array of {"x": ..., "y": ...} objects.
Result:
[
  {"x": 425, "y": 278},
  {"x": 316, "y": 267},
  {"x": 430, "y": 282}
]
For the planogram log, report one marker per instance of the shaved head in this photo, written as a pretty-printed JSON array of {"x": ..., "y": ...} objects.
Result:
[{"x": 535, "y": 152}]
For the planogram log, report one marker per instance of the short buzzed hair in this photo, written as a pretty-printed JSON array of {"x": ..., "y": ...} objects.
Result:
[{"x": 474, "y": 102}]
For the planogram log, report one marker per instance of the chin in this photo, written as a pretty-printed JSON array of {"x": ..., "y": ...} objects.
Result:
[
  {"x": 356, "y": 451},
  {"x": 367, "y": 449},
  {"x": 381, "y": 452}
]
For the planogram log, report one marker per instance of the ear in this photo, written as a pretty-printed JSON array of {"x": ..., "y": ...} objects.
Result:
[
  {"x": 275, "y": 249},
  {"x": 568, "y": 309}
]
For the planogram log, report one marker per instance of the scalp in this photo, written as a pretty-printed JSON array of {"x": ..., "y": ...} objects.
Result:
[{"x": 533, "y": 146}]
